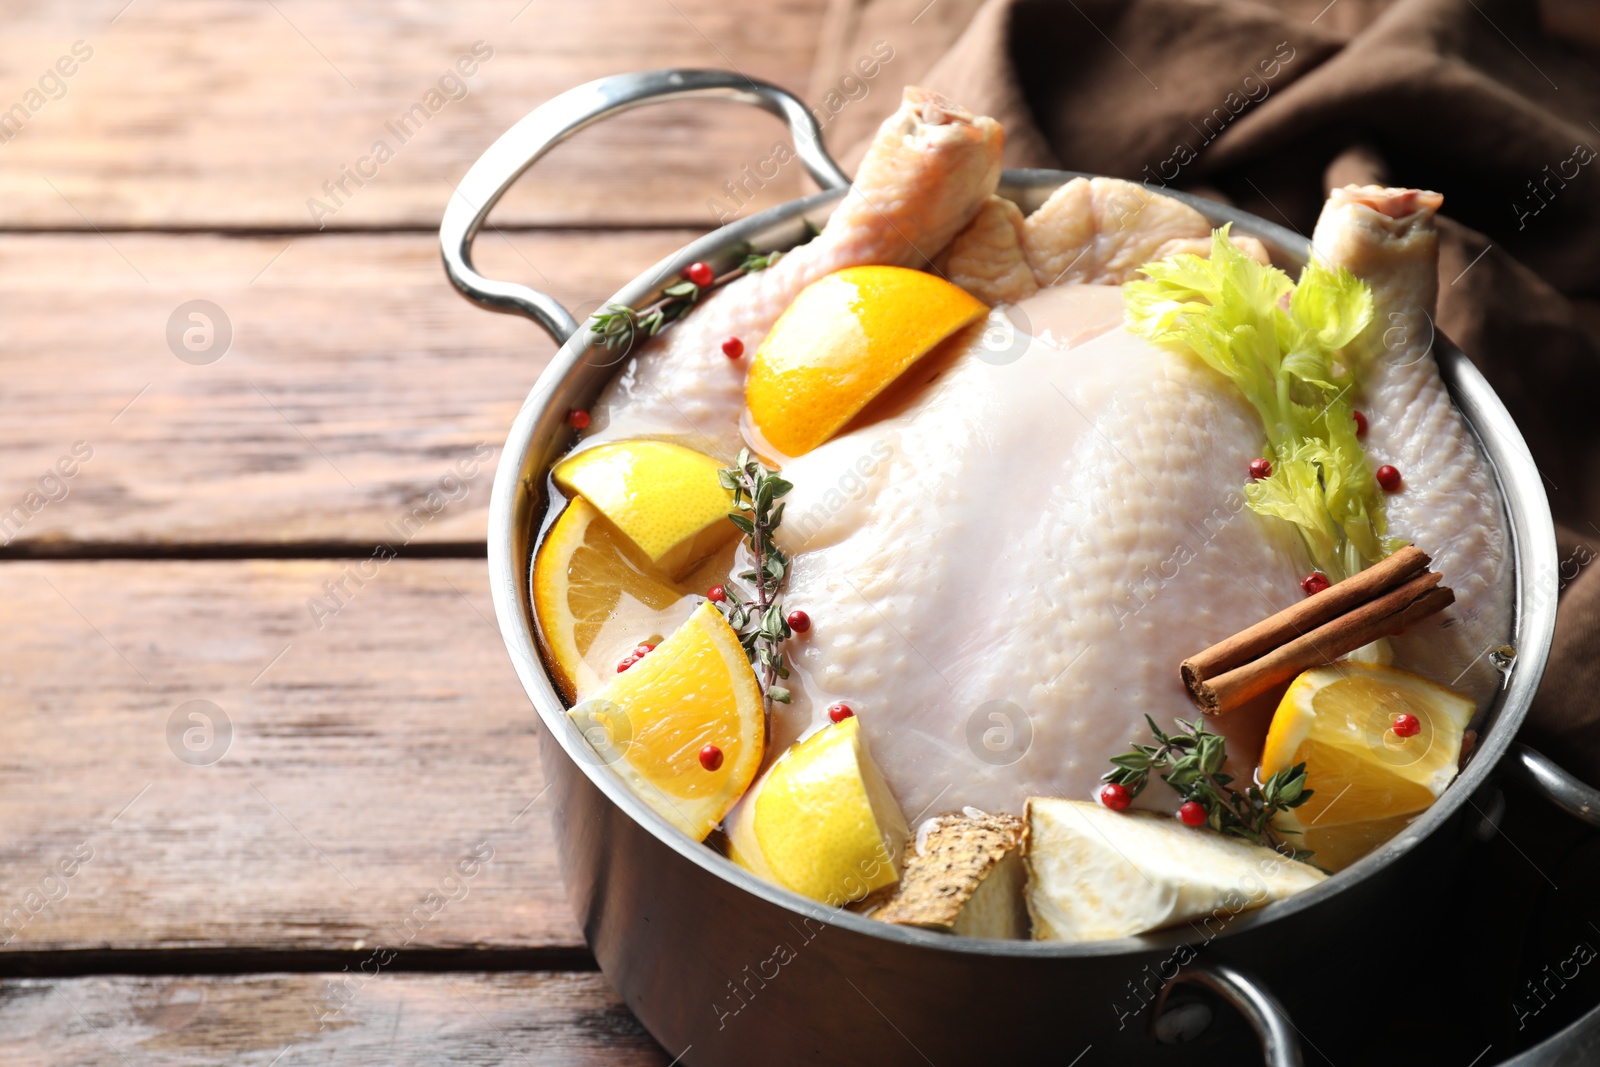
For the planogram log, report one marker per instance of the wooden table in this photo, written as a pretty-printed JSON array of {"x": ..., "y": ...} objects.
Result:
[{"x": 192, "y": 890}]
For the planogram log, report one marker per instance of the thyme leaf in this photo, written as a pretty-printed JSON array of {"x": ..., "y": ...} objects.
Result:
[
  {"x": 619, "y": 326},
  {"x": 759, "y": 261},
  {"x": 758, "y": 617},
  {"x": 1190, "y": 761}
]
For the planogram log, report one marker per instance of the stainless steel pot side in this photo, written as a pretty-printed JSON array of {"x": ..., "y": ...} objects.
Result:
[{"x": 725, "y": 969}]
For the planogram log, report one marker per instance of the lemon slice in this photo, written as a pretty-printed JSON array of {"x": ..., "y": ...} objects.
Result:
[
  {"x": 841, "y": 342},
  {"x": 653, "y": 722},
  {"x": 595, "y": 600},
  {"x": 1369, "y": 781},
  {"x": 665, "y": 498},
  {"x": 822, "y": 821}
]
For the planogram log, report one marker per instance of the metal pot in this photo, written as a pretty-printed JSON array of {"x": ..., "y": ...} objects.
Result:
[{"x": 726, "y": 969}]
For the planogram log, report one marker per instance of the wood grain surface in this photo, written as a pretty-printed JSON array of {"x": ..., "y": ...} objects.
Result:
[
  {"x": 292, "y": 1020},
  {"x": 224, "y": 785},
  {"x": 356, "y": 380},
  {"x": 233, "y": 113},
  {"x": 370, "y": 761}
]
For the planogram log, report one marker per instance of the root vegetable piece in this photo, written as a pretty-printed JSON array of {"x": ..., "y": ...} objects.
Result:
[
  {"x": 966, "y": 877},
  {"x": 1095, "y": 874}
]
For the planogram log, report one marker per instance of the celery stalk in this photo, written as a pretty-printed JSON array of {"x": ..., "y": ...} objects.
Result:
[{"x": 1279, "y": 343}]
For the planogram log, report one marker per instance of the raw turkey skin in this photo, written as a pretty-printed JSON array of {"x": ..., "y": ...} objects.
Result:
[{"x": 1004, "y": 575}]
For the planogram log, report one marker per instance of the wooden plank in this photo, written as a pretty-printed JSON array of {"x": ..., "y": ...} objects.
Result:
[
  {"x": 229, "y": 113},
  {"x": 357, "y": 379},
  {"x": 378, "y": 784},
  {"x": 918, "y": 35},
  {"x": 393, "y": 1020}
]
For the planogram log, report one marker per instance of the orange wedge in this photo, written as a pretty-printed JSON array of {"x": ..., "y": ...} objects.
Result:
[
  {"x": 1369, "y": 781},
  {"x": 652, "y": 723},
  {"x": 840, "y": 343},
  {"x": 667, "y": 499},
  {"x": 822, "y": 821},
  {"x": 596, "y": 598}
]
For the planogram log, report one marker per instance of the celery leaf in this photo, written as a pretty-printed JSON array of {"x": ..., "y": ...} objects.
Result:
[{"x": 1278, "y": 341}]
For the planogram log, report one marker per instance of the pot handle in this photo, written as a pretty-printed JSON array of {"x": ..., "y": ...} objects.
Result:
[
  {"x": 1279, "y": 1045},
  {"x": 556, "y": 120},
  {"x": 1541, "y": 774}
]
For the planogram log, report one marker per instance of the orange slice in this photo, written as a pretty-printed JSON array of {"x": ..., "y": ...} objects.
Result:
[
  {"x": 1368, "y": 780},
  {"x": 841, "y": 342},
  {"x": 822, "y": 821},
  {"x": 595, "y": 599},
  {"x": 665, "y": 498},
  {"x": 651, "y": 723}
]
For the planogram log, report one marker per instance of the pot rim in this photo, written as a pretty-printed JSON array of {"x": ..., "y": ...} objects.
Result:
[{"x": 539, "y": 434}]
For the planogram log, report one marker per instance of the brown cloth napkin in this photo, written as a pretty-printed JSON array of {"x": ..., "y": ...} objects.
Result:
[{"x": 1494, "y": 103}]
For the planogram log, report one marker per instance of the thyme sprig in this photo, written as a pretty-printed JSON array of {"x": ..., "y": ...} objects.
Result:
[
  {"x": 756, "y": 261},
  {"x": 619, "y": 326},
  {"x": 759, "y": 618},
  {"x": 1191, "y": 760}
]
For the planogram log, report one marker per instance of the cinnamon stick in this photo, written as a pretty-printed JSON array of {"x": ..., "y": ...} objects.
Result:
[
  {"x": 1306, "y": 616},
  {"x": 1245, "y": 666}
]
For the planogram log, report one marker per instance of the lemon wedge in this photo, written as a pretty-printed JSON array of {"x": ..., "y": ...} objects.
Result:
[
  {"x": 1369, "y": 781},
  {"x": 841, "y": 342},
  {"x": 665, "y": 498},
  {"x": 822, "y": 821},
  {"x": 654, "y": 722},
  {"x": 595, "y": 600}
]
